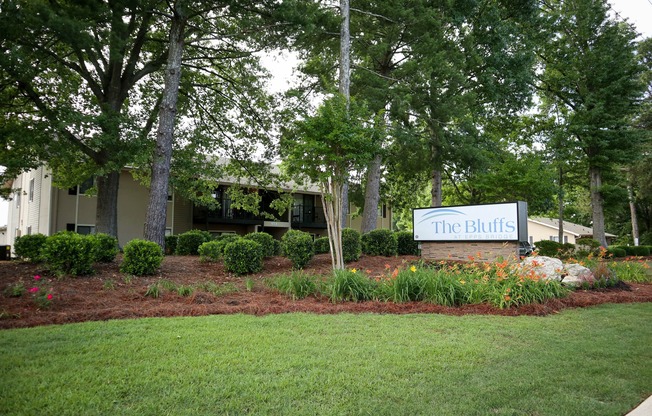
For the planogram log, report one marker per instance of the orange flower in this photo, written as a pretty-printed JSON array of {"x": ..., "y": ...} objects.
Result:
[
  {"x": 508, "y": 298},
  {"x": 508, "y": 290},
  {"x": 395, "y": 273},
  {"x": 387, "y": 266}
]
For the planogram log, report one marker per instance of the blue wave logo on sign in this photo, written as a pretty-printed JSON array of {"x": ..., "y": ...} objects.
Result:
[{"x": 435, "y": 213}]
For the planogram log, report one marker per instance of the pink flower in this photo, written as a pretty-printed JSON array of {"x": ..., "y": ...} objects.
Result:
[
  {"x": 37, "y": 277},
  {"x": 49, "y": 296},
  {"x": 33, "y": 290}
]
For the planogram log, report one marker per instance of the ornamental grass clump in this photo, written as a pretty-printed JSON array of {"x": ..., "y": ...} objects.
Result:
[
  {"x": 351, "y": 285},
  {"x": 297, "y": 284}
]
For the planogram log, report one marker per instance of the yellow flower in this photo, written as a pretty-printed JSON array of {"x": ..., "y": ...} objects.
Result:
[
  {"x": 413, "y": 269},
  {"x": 353, "y": 270},
  {"x": 463, "y": 282}
]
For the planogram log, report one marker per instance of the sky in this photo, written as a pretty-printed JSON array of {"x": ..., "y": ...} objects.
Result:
[{"x": 637, "y": 12}]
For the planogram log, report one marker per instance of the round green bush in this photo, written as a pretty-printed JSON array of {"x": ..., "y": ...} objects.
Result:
[
  {"x": 225, "y": 239},
  {"x": 67, "y": 252},
  {"x": 322, "y": 245},
  {"x": 30, "y": 247},
  {"x": 297, "y": 246},
  {"x": 105, "y": 247},
  {"x": 243, "y": 256},
  {"x": 141, "y": 257},
  {"x": 211, "y": 251},
  {"x": 351, "y": 246},
  {"x": 265, "y": 240},
  {"x": 617, "y": 252},
  {"x": 547, "y": 248},
  {"x": 188, "y": 243},
  {"x": 381, "y": 242},
  {"x": 406, "y": 244},
  {"x": 171, "y": 244}
]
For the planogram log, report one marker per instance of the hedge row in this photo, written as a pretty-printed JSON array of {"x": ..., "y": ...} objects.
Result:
[{"x": 67, "y": 252}]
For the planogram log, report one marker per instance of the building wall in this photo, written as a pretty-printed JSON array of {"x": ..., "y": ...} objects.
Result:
[
  {"x": 539, "y": 232},
  {"x": 3, "y": 237},
  {"x": 464, "y": 251},
  {"x": 30, "y": 204}
]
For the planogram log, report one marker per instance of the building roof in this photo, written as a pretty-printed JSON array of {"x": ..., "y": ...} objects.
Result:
[{"x": 569, "y": 227}]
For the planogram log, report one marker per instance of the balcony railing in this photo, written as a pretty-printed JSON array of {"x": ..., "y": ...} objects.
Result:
[{"x": 308, "y": 216}]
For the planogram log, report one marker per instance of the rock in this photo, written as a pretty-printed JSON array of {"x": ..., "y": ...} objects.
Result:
[
  {"x": 544, "y": 267},
  {"x": 577, "y": 274}
]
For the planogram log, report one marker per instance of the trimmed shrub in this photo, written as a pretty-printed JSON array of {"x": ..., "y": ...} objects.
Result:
[
  {"x": 640, "y": 250},
  {"x": 67, "y": 252},
  {"x": 210, "y": 251},
  {"x": 322, "y": 245},
  {"x": 547, "y": 248},
  {"x": 381, "y": 242},
  {"x": 171, "y": 244},
  {"x": 406, "y": 244},
  {"x": 297, "y": 246},
  {"x": 243, "y": 256},
  {"x": 278, "y": 250},
  {"x": 141, "y": 257},
  {"x": 351, "y": 246},
  {"x": 105, "y": 247},
  {"x": 265, "y": 240},
  {"x": 30, "y": 247},
  {"x": 225, "y": 239},
  {"x": 188, "y": 243},
  {"x": 587, "y": 243},
  {"x": 617, "y": 252}
]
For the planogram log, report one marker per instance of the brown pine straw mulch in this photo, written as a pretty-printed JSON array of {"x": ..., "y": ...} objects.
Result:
[{"x": 108, "y": 295}]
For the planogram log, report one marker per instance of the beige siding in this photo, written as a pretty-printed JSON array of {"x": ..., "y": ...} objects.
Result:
[
  {"x": 182, "y": 215},
  {"x": 539, "y": 232}
]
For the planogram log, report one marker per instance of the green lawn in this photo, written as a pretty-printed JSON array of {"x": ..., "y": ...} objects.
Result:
[{"x": 595, "y": 361}]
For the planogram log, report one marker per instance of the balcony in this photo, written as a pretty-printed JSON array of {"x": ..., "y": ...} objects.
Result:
[
  {"x": 306, "y": 216},
  {"x": 224, "y": 215}
]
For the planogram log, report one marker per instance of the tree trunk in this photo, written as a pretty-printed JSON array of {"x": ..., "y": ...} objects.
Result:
[
  {"x": 435, "y": 192},
  {"x": 344, "y": 87},
  {"x": 597, "y": 206},
  {"x": 106, "y": 215},
  {"x": 372, "y": 195},
  {"x": 632, "y": 210},
  {"x": 560, "y": 197},
  {"x": 332, "y": 213},
  {"x": 158, "y": 197}
]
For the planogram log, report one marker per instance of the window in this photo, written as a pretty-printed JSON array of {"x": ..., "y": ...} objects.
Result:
[
  {"x": 31, "y": 190},
  {"x": 29, "y": 230},
  {"x": 554, "y": 238},
  {"x": 83, "y": 188},
  {"x": 531, "y": 239},
  {"x": 85, "y": 229},
  {"x": 565, "y": 239},
  {"x": 18, "y": 199}
]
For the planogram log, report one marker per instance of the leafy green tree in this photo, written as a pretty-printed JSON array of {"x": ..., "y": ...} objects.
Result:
[
  {"x": 324, "y": 148},
  {"x": 68, "y": 72},
  {"x": 591, "y": 70}
]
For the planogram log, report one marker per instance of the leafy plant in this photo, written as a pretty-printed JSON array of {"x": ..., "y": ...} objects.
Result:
[
  {"x": 351, "y": 247},
  {"x": 69, "y": 253},
  {"x": 184, "y": 290},
  {"x": 350, "y": 285},
  {"x": 153, "y": 290},
  {"x": 171, "y": 244},
  {"x": 297, "y": 246},
  {"x": 210, "y": 251},
  {"x": 322, "y": 245},
  {"x": 547, "y": 248},
  {"x": 105, "y": 247},
  {"x": 30, "y": 247},
  {"x": 42, "y": 296},
  {"x": 243, "y": 257},
  {"x": 406, "y": 246},
  {"x": 188, "y": 243},
  {"x": 380, "y": 242},
  {"x": 297, "y": 284},
  {"x": 265, "y": 240},
  {"x": 141, "y": 257}
]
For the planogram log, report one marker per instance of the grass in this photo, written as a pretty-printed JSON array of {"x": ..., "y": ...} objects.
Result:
[{"x": 594, "y": 361}]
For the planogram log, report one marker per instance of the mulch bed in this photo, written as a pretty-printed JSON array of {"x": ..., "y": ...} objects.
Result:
[{"x": 108, "y": 295}]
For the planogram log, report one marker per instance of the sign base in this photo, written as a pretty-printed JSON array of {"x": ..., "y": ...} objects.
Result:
[{"x": 470, "y": 251}]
